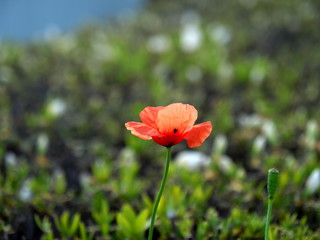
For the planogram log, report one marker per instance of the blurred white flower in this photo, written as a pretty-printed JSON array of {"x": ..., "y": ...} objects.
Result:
[
  {"x": 225, "y": 164},
  {"x": 65, "y": 43},
  {"x": 259, "y": 144},
  {"x": 257, "y": 74},
  {"x": 127, "y": 156},
  {"x": 313, "y": 181},
  {"x": 290, "y": 161},
  {"x": 101, "y": 48},
  {"x": 191, "y": 37},
  {"x": 250, "y": 120},
  {"x": 220, "y": 34},
  {"x": 311, "y": 134},
  {"x": 25, "y": 193},
  {"x": 312, "y": 128},
  {"x": 42, "y": 143},
  {"x": 158, "y": 44},
  {"x": 220, "y": 144},
  {"x": 85, "y": 180},
  {"x": 57, "y": 107},
  {"x": 192, "y": 159},
  {"x": 270, "y": 131},
  {"x": 10, "y": 159},
  {"x": 102, "y": 51},
  {"x": 225, "y": 71}
]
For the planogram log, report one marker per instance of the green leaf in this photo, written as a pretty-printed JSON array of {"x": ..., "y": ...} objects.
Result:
[
  {"x": 141, "y": 221},
  {"x": 124, "y": 225},
  {"x": 82, "y": 231},
  {"x": 104, "y": 228},
  {"x": 128, "y": 213},
  {"x": 38, "y": 222},
  {"x": 147, "y": 201},
  {"x": 65, "y": 222},
  {"x": 57, "y": 223},
  {"x": 74, "y": 224}
]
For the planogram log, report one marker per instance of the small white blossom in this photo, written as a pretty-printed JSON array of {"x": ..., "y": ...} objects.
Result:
[
  {"x": 158, "y": 44},
  {"x": 85, "y": 180},
  {"x": 65, "y": 43},
  {"x": 191, "y": 37},
  {"x": 103, "y": 51},
  {"x": 313, "y": 181},
  {"x": 57, "y": 107},
  {"x": 311, "y": 134},
  {"x": 259, "y": 144},
  {"x": 225, "y": 164},
  {"x": 10, "y": 159},
  {"x": 25, "y": 193},
  {"x": 220, "y": 144},
  {"x": 42, "y": 143},
  {"x": 220, "y": 34},
  {"x": 253, "y": 120},
  {"x": 257, "y": 74},
  {"x": 192, "y": 159},
  {"x": 225, "y": 71},
  {"x": 127, "y": 156},
  {"x": 270, "y": 131}
]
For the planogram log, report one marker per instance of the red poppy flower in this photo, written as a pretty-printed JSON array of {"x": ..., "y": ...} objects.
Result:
[{"x": 170, "y": 125}]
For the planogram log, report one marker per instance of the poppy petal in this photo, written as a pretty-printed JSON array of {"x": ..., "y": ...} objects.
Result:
[
  {"x": 198, "y": 134},
  {"x": 141, "y": 130},
  {"x": 168, "y": 140},
  {"x": 149, "y": 115},
  {"x": 176, "y": 118}
]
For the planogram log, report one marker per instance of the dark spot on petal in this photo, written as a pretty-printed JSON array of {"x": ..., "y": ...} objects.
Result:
[{"x": 175, "y": 130}]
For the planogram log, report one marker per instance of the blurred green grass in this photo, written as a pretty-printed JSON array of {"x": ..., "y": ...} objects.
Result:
[{"x": 250, "y": 67}]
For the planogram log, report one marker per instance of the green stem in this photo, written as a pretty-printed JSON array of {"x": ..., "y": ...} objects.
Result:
[
  {"x": 266, "y": 237},
  {"x": 163, "y": 182}
]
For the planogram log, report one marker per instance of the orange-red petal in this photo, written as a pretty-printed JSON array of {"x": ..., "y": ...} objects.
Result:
[
  {"x": 177, "y": 117},
  {"x": 168, "y": 140},
  {"x": 141, "y": 130},
  {"x": 149, "y": 115},
  {"x": 198, "y": 134}
]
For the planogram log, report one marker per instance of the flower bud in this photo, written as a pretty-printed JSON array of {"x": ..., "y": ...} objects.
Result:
[{"x": 273, "y": 179}]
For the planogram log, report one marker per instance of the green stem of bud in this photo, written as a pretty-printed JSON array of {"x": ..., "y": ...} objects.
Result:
[
  {"x": 273, "y": 179},
  {"x": 266, "y": 235}
]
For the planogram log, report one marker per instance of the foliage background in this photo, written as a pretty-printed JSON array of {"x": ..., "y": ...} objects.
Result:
[{"x": 251, "y": 67}]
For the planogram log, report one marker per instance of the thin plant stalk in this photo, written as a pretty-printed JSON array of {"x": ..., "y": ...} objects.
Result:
[
  {"x": 163, "y": 182},
  {"x": 273, "y": 178},
  {"x": 266, "y": 235}
]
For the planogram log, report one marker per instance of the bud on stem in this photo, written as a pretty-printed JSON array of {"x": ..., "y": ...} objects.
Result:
[{"x": 273, "y": 179}]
